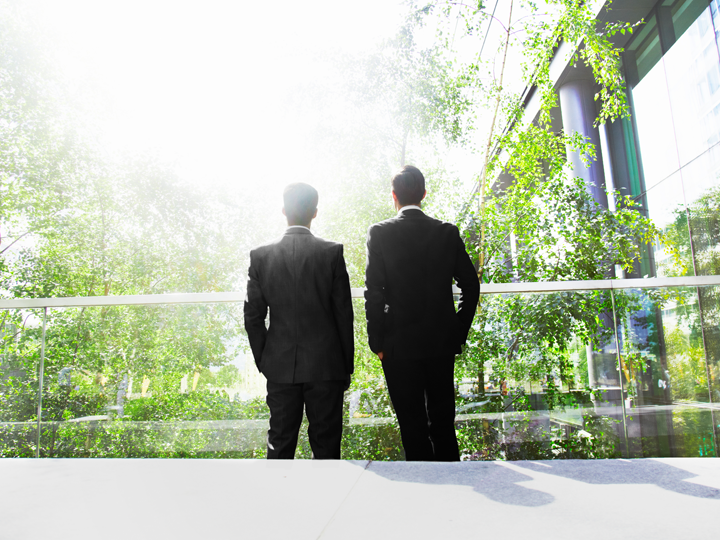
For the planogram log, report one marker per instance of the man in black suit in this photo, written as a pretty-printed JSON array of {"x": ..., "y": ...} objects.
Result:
[
  {"x": 307, "y": 352},
  {"x": 412, "y": 260}
]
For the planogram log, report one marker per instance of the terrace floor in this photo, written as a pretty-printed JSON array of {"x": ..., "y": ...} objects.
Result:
[{"x": 295, "y": 500}]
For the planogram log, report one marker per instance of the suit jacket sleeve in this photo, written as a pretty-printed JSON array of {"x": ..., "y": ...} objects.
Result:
[
  {"x": 343, "y": 310},
  {"x": 255, "y": 311},
  {"x": 467, "y": 281},
  {"x": 375, "y": 280}
]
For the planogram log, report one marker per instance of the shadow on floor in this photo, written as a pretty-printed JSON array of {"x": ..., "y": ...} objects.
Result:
[
  {"x": 640, "y": 471},
  {"x": 500, "y": 483},
  {"x": 494, "y": 481}
]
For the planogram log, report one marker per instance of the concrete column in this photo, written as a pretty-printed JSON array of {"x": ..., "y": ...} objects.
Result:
[{"x": 577, "y": 106}]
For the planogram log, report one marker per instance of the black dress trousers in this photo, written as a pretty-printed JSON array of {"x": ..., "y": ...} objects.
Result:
[
  {"x": 422, "y": 391},
  {"x": 323, "y": 403}
]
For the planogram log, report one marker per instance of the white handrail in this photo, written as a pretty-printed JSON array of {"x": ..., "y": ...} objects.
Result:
[{"x": 235, "y": 297}]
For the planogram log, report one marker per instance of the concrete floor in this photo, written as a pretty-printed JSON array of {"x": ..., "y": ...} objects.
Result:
[{"x": 205, "y": 499}]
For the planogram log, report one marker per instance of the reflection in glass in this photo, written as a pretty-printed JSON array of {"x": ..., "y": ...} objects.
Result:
[
  {"x": 702, "y": 189},
  {"x": 685, "y": 13},
  {"x": 692, "y": 71},
  {"x": 666, "y": 209},
  {"x": 654, "y": 121},
  {"x": 643, "y": 52},
  {"x": 544, "y": 378},
  {"x": 709, "y": 299},
  {"x": 702, "y": 175},
  {"x": 550, "y": 386},
  {"x": 20, "y": 346},
  {"x": 664, "y": 359},
  {"x": 677, "y": 113},
  {"x": 149, "y": 381}
]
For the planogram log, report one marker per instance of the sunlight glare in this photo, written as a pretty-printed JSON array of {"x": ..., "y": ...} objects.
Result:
[{"x": 207, "y": 87}]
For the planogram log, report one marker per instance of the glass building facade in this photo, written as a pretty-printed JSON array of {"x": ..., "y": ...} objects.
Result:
[
  {"x": 672, "y": 69},
  {"x": 673, "y": 73},
  {"x": 666, "y": 156}
]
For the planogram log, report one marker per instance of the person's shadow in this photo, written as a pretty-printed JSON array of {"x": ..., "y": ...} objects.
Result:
[
  {"x": 496, "y": 482},
  {"x": 500, "y": 483},
  {"x": 635, "y": 471}
]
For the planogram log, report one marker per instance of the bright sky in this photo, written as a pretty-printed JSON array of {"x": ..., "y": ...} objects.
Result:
[{"x": 204, "y": 85}]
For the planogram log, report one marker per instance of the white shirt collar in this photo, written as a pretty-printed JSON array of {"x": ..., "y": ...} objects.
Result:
[
  {"x": 409, "y": 207},
  {"x": 298, "y": 227}
]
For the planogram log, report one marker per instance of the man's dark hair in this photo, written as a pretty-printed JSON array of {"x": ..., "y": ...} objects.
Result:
[
  {"x": 409, "y": 185},
  {"x": 300, "y": 202}
]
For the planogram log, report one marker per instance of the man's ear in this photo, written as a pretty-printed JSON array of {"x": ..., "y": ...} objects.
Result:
[
  {"x": 425, "y": 193},
  {"x": 394, "y": 196},
  {"x": 284, "y": 214},
  {"x": 315, "y": 214}
]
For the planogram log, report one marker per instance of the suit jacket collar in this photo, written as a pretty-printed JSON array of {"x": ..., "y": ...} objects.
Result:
[
  {"x": 297, "y": 230},
  {"x": 411, "y": 213},
  {"x": 408, "y": 207}
]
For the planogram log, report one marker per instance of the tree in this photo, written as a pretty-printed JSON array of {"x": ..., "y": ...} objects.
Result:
[
  {"x": 77, "y": 223},
  {"x": 537, "y": 223},
  {"x": 698, "y": 308}
]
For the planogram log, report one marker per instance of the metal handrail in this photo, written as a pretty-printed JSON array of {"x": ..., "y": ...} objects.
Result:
[{"x": 234, "y": 297}]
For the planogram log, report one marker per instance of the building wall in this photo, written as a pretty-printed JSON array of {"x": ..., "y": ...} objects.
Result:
[
  {"x": 667, "y": 157},
  {"x": 673, "y": 73}
]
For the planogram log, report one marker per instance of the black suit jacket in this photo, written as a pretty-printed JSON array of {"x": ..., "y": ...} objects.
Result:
[
  {"x": 303, "y": 281},
  {"x": 412, "y": 260}
]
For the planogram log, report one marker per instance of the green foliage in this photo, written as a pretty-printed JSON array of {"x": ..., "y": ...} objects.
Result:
[
  {"x": 527, "y": 437},
  {"x": 76, "y": 223},
  {"x": 694, "y": 431},
  {"x": 228, "y": 376},
  {"x": 597, "y": 440},
  {"x": 530, "y": 221},
  {"x": 704, "y": 216},
  {"x": 193, "y": 406},
  {"x": 686, "y": 364}
]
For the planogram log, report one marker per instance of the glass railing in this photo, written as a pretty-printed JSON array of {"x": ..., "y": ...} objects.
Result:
[{"x": 171, "y": 376}]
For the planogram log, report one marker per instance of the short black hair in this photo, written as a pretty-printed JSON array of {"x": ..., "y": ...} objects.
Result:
[
  {"x": 300, "y": 202},
  {"x": 409, "y": 185}
]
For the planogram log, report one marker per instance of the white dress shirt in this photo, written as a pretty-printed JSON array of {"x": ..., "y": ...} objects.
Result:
[{"x": 409, "y": 207}]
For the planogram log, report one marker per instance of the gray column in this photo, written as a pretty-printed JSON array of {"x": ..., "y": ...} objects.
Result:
[{"x": 577, "y": 106}]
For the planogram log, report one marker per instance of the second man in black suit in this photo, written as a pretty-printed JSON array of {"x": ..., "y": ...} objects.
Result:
[
  {"x": 413, "y": 327},
  {"x": 307, "y": 351}
]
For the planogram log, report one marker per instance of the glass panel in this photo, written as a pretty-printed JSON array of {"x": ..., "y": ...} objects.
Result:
[
  {"x": 715, "y": 11},
  {"x": 370, "y": 430},
  {"x": 666, "y": 209},
  {"x": 20, "y": 344},
  {"x": 643, "y": 52},
  {"x": 174, "y": 381},
  {"x": 693, "y": 79},
  {"x": 702, "y": 190},
  {"x": 545, "y": 392},
  {"x": 685, "y": 13},
  {"x": 653, "y": 117},
  {"x": 710, "y": 302},
  {"x": 664, "y": 364},
  {"x": 649, "y": 385},
  {"x": 151, "y": 381}
]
